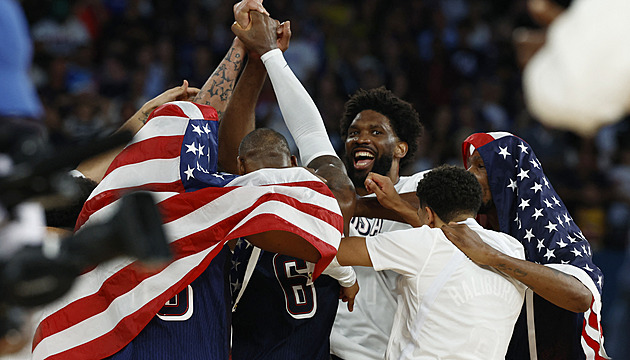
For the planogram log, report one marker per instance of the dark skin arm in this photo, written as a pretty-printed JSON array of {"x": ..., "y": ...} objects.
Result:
[
  {"x": 217, "y": 90},
  {"x": 262, "y": 36},
  {"x": 239, "y": 118},
  {"x": 333, "y": 170},
  {"x": 388, "y": 204},
  {"x": 554, "y": 286}
]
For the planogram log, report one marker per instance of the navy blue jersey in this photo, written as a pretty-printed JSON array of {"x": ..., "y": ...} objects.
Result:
[
  {"x": 282, "y": 314},
  {"x": 194, "y": 324}
]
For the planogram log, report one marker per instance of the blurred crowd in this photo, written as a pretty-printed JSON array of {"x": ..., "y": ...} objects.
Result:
[{"x": 97, "y": 61}]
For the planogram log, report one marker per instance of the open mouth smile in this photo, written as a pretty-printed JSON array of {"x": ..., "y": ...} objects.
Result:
[{"x": 363, "y": 159}]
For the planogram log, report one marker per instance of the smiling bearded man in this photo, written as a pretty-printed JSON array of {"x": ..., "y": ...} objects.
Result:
[{"x": 381, "y": 134}]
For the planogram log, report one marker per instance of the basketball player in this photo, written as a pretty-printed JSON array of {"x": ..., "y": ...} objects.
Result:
[{"x": 448, "y": 306}]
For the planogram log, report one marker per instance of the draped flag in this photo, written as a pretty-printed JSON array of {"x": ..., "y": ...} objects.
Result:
[
  {"x": 530, "y": 210},
  {"x": 174, "y": 157}
]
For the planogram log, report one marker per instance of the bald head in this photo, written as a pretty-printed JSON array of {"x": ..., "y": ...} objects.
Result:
[{"x": 264, "y": 148}]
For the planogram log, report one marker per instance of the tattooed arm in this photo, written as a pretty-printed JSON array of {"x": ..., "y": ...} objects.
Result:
[
  {"x": 555, "y": 286},
  {"x": 218, "y": 89}
]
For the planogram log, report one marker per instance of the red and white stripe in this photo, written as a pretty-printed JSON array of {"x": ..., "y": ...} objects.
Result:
[{"x": 111, "y": 304}]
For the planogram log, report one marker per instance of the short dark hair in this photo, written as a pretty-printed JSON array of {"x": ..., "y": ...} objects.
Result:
[
  {"x": 263, "y": 141},
  {"x": 403, "y": 118},
  {"x": 450, "y": 191}
]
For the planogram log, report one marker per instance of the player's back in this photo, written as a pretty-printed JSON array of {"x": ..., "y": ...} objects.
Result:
[
  {"x": 282, "y": 314},
  {"x": 450, "y": 307},
  {"x": 192, "y": 325}
]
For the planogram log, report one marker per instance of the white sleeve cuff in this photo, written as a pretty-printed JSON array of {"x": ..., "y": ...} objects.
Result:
[{"x": 344, "y": 274}]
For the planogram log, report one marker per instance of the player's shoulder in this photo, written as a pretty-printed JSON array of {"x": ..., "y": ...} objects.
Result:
[{"x": 410, "y": 182}]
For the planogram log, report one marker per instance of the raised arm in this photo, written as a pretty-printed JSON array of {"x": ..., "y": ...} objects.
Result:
[
  {"x": 555, "y": 286},
  {"x": 95, "y": 168},
  {"x": 217, "y": 90},
  {"x": 299, "y": 111},
  {"x": 239, "y": 118}
]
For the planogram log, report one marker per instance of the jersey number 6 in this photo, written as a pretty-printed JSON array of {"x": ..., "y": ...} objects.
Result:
[{"x": 299, "y": 292}]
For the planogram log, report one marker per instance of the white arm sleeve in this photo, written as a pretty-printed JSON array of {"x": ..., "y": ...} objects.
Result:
[
  {"x": 298, "y": 109},
  {"x": 344, "y": 274}
]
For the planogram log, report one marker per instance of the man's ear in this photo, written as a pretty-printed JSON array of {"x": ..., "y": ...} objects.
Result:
[
  {"x": 241, "y": 165},
  {"x": 294, "y": 161},
  {"x": 401, "y": 149},
  {"x": 430, "y": 216}
]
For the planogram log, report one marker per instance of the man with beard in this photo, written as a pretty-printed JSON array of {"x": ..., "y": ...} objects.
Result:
[
  {"x": 562, "y": 321},
  {"x": 380, "y": 132}
]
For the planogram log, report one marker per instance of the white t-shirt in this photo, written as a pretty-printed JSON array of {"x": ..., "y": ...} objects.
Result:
[
  {"x": 448, "y": 307},
  {"x": 364, "y": 333}
]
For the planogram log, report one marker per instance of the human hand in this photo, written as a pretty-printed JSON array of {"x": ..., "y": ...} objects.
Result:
[
  {"x": 242, "y": 8},
  {"x": 384, "y": 190},
  {"x": 183, "y": 92},
  {"x": 261, "y": 35},
  {"x": 469, "y": 242},
  {"x": 347, "y": 294}
]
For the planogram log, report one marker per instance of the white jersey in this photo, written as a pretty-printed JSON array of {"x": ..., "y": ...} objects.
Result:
[
  {"x": 448, "y": 307},
  {"x": 364, "y": 333}
]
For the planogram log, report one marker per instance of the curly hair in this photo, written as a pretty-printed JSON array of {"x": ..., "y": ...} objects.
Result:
[
  {"x": 450, "y": 191},
  {"x": 403, "y": 117}
]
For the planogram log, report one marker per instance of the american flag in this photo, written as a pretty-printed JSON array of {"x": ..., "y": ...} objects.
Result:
[
  {"x": 530, "y": 210},
  {"x": 174, "y": 156}
]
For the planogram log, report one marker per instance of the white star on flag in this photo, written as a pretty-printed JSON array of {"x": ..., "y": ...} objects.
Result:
[
  {"x": 551, "y": 226},
  {"x": 549, "y": 205},
  {"x": 191, "y": 148},
  {"x": 201, "y": 149},
  {"x": 524, "y": 203},
  {"x": 562, "y": 244},
  {"x": 599, "y": 280},
  {"x": 523, "y": 148},
  {"x": 512, "y": 185},
  {"x": 504, "y": 152},
  {"x": 218, "y": 175},
  {"x": 534, "y": 164},
  {"x": 555, "y": 201},
  {"x": 197, "y": 129},
  {"x": 546, "y": 182},
  {"x": 567, "y": 218},
  {"x": 560, "y": 220},
  {"x": 576, "y": 252},
  {"x": 537, "y": 213},
  {"x": 189, "y": 173},
  {"x": 571, "y": 239},
  {"x": 523, "y": 174},
  {"x": 549, "y": 254},
  {"x": 587, "y": 268},
  {"x": 540, "y": 244},
  {"x": 537, "y": 187},
  {"x": 529, "y": 234},
  {"x": 206, "y": 129}
]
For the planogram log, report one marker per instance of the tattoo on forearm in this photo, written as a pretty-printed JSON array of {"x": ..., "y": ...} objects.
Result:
[
  {"x": 145, "y": 116},
  {"x": 219, "y": 87}
]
